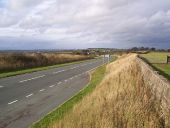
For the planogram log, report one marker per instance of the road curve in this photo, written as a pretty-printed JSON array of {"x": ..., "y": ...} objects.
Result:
[{"x": 28, "y": 97}]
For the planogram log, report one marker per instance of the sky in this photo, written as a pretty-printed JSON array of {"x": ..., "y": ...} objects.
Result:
[{"x": 72, "y": 24}]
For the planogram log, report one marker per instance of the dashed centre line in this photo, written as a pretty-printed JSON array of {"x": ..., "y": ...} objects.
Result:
[
  {"x": 59, "y": 82},
  {"x": 31, "y": 79},
  {"x": 12, "y": 102},
  {"x": 58, "y": 71},
  {"x": 51, "y": 86},
  {"x": 29, "y": 95},
  {"x": 42, "y": 90}
]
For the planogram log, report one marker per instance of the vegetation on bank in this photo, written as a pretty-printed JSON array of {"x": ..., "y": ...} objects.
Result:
[
  {"x": 65, "y": 108},
  {"x": 17, "y": 61},
  {"x": 158, "y": 61},
  {"x": 15, "y": 64},
  {"x": 123, "y": 100}
]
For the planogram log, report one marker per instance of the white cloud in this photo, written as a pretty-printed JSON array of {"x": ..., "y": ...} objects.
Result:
[{"x": 123, "y": 22}]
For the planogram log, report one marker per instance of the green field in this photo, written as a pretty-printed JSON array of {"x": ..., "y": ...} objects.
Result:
[{"x": 158, "y": 61}]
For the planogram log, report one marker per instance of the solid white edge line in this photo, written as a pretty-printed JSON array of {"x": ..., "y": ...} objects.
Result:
[
  {"x": 29, "y": 95},
  {"x": 12, "y": 102},
  {"x": 1, "y": 86}
]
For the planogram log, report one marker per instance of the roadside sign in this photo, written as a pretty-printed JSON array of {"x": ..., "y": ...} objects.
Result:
[{"x": 107, "y": 56}]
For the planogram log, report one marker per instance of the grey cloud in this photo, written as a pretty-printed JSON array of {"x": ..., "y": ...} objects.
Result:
[
  {"x": 17, "y": 5},
  {"x": 108, "y": 22}
]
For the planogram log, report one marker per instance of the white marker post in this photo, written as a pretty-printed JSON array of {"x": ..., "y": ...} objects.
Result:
[{"x": 103, "y": 58}]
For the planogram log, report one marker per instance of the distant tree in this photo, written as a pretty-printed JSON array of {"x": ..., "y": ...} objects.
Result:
[
  {"x": 134, "y": 49},
  {"x": 153, "y": 49},
  {"x": 162, "y": 50}
]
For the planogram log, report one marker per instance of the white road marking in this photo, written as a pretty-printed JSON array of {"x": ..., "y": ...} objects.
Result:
[
  {"x": 29, "y": 95},
  {"x": 42, "y": 90},
  {"x": 83, "y": 64},
  {"x": 73, "y": 68},
  {"x": 31, "y": 79},
  {"x": 59, "y": 82},
  {"x": 12, "y": 102},
  {"x": 58, "y": 71},
  {"x": 51, "y": 86},
  {"x": 1, "y": 86},
  {"x": 65, "y": 80}
]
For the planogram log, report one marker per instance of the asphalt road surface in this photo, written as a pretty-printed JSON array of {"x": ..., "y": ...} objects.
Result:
[{"x": 26, "y": 98}]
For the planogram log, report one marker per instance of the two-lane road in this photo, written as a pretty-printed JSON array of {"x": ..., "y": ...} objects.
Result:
[{"x": 28, "y": 97}]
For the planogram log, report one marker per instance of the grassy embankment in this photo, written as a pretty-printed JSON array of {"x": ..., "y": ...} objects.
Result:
[
  {"x": 158, "y": 61},
  {"x": 15, "y": 64},
  {"x": 65, "y": 108},
  {"x": 57, "y": 114},
  {"x": 122, "y": 100}
]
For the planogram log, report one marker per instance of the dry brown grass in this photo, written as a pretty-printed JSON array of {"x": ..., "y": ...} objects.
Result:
[
  {"x": 123, "y": 100},
  {"x": 29, "y": 60}
]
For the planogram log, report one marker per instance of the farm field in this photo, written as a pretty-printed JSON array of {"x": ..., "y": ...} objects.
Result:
[{"x": 158, "y": 61}]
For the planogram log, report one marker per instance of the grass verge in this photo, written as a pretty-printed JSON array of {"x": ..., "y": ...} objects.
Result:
[
  {"x": 19, "y": 72},
  {"x": 59, "y": 112},
  {"x": 113, "y": 58}
]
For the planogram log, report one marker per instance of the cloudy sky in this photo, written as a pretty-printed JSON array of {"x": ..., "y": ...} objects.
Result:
[{"x": 45, "y": 24}]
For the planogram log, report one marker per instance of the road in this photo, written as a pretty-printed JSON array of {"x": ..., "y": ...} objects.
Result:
[{"x": 26, "y": 98}]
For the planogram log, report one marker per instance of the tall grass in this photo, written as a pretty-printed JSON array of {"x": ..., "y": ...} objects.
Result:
[
  {"x": 123, "y": 100},
  {"x": 14, "y": 61}
]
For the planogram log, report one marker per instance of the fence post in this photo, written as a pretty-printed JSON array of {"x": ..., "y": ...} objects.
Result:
[{"x": 168, "y": 59}]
